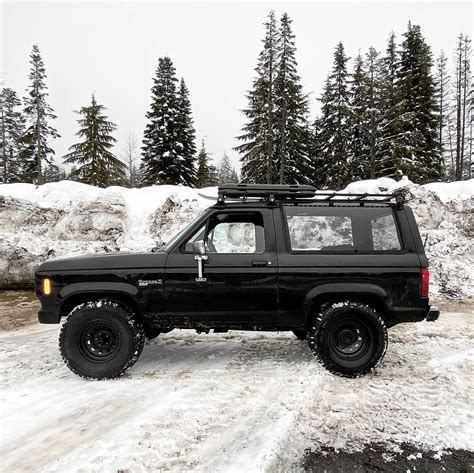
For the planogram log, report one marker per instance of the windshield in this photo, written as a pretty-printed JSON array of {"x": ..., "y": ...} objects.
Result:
[{"x": 173, "y": 240}]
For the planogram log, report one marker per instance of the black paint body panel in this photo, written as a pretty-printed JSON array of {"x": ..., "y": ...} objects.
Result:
[{"x": 274, "y": 290}]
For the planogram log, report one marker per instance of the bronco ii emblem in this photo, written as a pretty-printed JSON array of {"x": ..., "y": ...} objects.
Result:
[{"x": 149, "y": 282}]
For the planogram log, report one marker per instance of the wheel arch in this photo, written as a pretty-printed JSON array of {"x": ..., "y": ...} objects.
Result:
[
  {"x": 75, "y": 294},
  {"x": 370, "y": 294}
]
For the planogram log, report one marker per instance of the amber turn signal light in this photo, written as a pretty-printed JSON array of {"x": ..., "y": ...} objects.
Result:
[{"x": 46, "y": 286}]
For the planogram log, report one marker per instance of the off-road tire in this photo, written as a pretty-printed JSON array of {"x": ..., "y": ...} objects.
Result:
[
  {"x": 301, "y": 334},
  {"x": 348, "y": 338},
  {"x": 101, "y": 339}
]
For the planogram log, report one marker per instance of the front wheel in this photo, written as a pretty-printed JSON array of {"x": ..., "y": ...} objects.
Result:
[
  {"x": 348, "y": 338},
  {"x": 101, "y": 340}
]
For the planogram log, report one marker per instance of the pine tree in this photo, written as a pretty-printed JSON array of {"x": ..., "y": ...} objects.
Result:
[
  {"x": 317, "y": 144},
  {"x": 443, "y": 91},
  {"x": 12, "y": 126},
  {"x": 258, "y": 134},
  {"x": 373, "y": 115},
  {"x": 96, "y": 163},
  {"x": 291, "y": 112},
  {"x": 359, "y": 132},
  {"x": 224, "y": 173},
  {"x": 389, "y": 108},
  {"x": 417, "y": 150},
  {"x": 206, "y": 172},
  {"x": 38, "y": 113},
  {"x": 166, "y": 151},
  {"x": 187, "y": 135},
  {"x": 53, "y": 173},
  {"x": 335, "y": 124},
  {"x": 234, "y": 177}
]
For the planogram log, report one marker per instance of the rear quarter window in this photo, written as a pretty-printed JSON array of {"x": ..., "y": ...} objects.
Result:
[
  {"x": 342, "y": 229},
  {"x": 384, "y": 233}
]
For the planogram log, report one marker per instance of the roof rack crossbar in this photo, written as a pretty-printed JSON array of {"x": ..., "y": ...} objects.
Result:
[{"x": 288, "y": 193}]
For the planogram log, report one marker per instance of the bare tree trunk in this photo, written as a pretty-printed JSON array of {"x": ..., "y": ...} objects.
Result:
[
  {"x": 283, "y": 124},
  {"x": 283, "y": 145},
  {"x": 441, "y": 113},
  {"x": 457, "y": 172},
  {"x": 465, "y": 86},
  {"x": 270, "y": 129},
  {"x": 130, "y": 157},
  {"x": 4, "y": 144},
  {"x": 451, "y": 149},
  {"x": 373, "y": 156},
  {"x": 469, "y": 169},
  {"x": 38, "y": 140}
]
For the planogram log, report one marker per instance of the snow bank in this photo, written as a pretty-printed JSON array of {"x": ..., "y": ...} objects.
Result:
[{"x": 69, "y": 218}]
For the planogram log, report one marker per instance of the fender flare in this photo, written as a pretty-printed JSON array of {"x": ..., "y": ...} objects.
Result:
[
  {"x": 364, "y": 289},
  {"x": 106, "y": 288}
]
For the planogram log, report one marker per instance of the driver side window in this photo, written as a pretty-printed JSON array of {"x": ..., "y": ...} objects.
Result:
[
  {"x": 238, "y": 237},
  {"x": 236, "y": 233},
  {"x": 231, "y": 233}
]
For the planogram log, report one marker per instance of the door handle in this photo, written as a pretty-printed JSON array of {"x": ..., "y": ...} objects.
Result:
[
  {"x": 260, "y": 264},
  {"x": 200, "y": 259}
]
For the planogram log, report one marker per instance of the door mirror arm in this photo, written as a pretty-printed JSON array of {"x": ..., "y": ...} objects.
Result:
[{"x": 199, "y": 247}]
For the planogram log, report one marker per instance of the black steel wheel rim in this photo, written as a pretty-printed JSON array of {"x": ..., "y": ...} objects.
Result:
[
  {"x": 350, "y": 339},
  {"x": 99, "y": 342}
]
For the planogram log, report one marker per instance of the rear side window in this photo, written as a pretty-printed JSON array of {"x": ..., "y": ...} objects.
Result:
[
  {"x": 384, "y": 233},
  {"x": 320, "y": 232},
  {"x": 342, "y": 229}
]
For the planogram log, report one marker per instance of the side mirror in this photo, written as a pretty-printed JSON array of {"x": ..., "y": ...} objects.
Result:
[{"x": 199, "y": 247}]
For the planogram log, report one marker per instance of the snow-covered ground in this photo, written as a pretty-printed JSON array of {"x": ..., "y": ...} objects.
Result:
[
  {"x": 231, "y": 402},
  {"x": 69, "y": 218}
]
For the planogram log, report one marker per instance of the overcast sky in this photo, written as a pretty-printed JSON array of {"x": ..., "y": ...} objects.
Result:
[{"x": 112, "y": 49}]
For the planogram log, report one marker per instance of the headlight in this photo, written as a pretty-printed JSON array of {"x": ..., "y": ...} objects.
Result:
[{"x": 46, "y": 286}]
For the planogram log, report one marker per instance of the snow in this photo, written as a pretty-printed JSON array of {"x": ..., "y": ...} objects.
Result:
[
  {"x": 69, "y": 218},
  {"x": 231, "y": 402},
  {"x": 448, "y": 191}
]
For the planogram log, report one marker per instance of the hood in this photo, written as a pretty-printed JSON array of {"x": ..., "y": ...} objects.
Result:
[{"x": 106, "y": 261}]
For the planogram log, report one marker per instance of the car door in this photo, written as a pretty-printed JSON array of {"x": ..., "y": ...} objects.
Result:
[{"x": 239, "y": 283}]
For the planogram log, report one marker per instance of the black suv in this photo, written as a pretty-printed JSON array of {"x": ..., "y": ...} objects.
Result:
[{"x": 335, "y": 269}]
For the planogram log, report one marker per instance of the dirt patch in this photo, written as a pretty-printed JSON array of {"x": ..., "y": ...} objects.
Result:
[
  {"x": 18, "y": 309},
  {"x": 466, "y": 305},
  {"x": 378, "y": 457}
]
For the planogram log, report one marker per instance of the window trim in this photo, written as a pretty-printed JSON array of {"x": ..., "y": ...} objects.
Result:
[
  {"x": 291, "y": 251},
  {"x": 182, "y": 246},
  {"x": 399, "y": 237}
]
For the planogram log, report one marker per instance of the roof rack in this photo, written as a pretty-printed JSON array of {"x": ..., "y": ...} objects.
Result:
[
  {"x": 300, "y": 194},
  {"x": 269, "y": 192}
]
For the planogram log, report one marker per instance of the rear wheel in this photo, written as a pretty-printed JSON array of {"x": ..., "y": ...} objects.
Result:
[
  {"x": 348, "y": 338},
  {"x": 101, "y": 340}
]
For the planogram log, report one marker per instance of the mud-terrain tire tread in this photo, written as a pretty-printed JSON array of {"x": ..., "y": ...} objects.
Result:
[
  {"x": 321, "y": 323},
  {"x": 120, "y": 310}
]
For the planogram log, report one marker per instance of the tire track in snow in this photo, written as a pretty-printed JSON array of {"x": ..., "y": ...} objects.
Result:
[{"x": 246, "y": 401}]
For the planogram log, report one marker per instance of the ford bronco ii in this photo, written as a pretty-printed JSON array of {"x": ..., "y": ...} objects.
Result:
[{"x": 337, "y": 270}]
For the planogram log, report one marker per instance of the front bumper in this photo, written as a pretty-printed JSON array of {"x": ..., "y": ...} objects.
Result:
[
  {"x": 433, "y": 314},
  {"x": 48, "y": 316}
]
